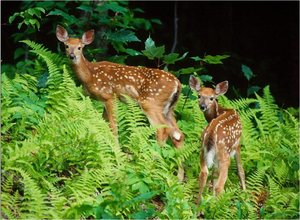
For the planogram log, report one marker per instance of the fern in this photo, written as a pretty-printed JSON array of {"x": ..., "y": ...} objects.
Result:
[
  {"x": 61, "y": 160},
  {"x": 35, "y": 204},
  {"x": 281, "y": 205},
  {"x": 269, "y": 112}
]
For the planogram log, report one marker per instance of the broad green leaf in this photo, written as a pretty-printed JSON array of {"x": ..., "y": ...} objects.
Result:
[
  {"x": 247, "y": 72},
  {"x": 132, "y": 52},
  {"x": 40, "y": 9},
  {"x": 32, "y": 21},
  {"x": 20, "y": 25},
  {"x": 114, "y": 6},
  {"x": 66, "y": 16},
  {"x": 31, "y": 11},
  {"x": 189, "y": 70},
  {"x": 170, "y": 58},
  {"x": 206, "y": 78},
  {"x": 122, "y": 36},
  {"x": 183, "y": 56},
  {"x": 149, "y": 43},
  {"x": 18, "y": 52},
  {"x": 196, "y": 58},
  {"x": 154, "y": 52},
  {"x": 217, "y": 59},
  {"x": 12, "y": 18}
]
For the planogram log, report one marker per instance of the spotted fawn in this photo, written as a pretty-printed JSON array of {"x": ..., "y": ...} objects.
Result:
[{"x": 221, "y": 137}]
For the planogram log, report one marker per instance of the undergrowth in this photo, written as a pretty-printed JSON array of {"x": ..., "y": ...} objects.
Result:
[{"x": 60, "y": 159}]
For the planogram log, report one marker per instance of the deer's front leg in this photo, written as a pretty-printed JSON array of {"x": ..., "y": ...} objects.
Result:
[{"x": 108, "y": 114}]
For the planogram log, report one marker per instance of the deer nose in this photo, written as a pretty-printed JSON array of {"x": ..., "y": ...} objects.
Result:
[
  {"x": 203, "y": 107},
  {"x": 72, "y": 56}
]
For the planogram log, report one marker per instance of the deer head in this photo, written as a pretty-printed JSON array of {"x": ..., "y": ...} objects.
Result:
[{"x": 74, "y": 46}]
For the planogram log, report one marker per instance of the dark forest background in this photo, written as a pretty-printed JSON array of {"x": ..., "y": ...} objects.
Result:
[{"x": 261, "y": 35}]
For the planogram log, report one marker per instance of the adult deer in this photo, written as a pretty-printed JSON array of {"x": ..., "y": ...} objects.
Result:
[
  {"x": 221, "y": 137},
  {"x": 155, "y": 90}
]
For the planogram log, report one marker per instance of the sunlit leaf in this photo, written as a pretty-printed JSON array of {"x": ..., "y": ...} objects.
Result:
[{"x": 149, "y": 43}]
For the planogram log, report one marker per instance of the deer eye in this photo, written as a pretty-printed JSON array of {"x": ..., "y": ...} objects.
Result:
[
  {"x": 211, "y": 98},
  {"x": 199, "y": 96},
  {"x": 79, "y": 48},
  {"x": 67, "y": 46}
]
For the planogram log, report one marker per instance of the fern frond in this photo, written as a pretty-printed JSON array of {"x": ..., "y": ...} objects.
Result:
[
  {"x": 41, "y": 50},
  {"x": 129, "y": 117},
  {"x": 269, "y": 112},
  {"x": 33, "y": 200}
]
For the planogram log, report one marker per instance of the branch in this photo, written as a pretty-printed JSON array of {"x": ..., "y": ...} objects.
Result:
[{"x": 175, "y": 27}]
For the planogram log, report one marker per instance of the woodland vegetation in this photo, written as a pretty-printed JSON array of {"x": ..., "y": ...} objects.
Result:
[{"x": 60, "y": 160}]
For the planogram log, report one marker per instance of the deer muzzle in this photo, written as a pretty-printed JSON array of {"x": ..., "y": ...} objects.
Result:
[
  {"x": 203, "y": 107},
  {"x": 72, "y": 56}
]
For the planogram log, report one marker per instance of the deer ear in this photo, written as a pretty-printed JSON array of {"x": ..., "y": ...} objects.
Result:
[
  {"x": 88, "y": 37},
  {"x": 194, "y": 83},
  {"x": 61, "y": 34},
  {"x": 221, "y": 88}
]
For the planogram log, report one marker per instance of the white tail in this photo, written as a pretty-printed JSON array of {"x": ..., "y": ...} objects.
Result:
[
  {"x": 221, "y": 137},
  {"x": 155, "y": 90}
]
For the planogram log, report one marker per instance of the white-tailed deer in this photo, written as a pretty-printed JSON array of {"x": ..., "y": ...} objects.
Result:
[
  {"x": 155, "y": 90},
  {"x": 221, "y": 137}
]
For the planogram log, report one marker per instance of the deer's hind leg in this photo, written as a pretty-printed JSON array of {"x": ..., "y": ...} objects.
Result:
[
  {"x": 241, "y": 172},
  {"x": 202, "y": 176},
  {"x": 156, "y": 118},
  {"x": 223, "y": 166}
]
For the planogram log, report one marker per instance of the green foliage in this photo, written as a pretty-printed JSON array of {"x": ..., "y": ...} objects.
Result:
[
  {"x": 30, "y": 17},
  {"x": 209, "y": 59},
  {"x": 118, "y": 23},
  {"x": 60, "y": 159}
]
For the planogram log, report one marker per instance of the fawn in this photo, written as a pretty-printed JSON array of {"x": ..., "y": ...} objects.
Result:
[
  {"x": 156, "y": 91},
  {"x": 221, "y": 137}
]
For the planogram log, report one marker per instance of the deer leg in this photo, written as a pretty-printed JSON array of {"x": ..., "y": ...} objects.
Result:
[
  {"x": 108, "y": 114},
  {"x": 223, "y": 173},
  {"x": 241, "y": 172},
  {"x": 174, "y": 132},
  {"x": 202, "y": 176},
  {"x": 215, "y": 175},
  {"x": 156, "y": 118},
  {"x": 177, "y": 138}
]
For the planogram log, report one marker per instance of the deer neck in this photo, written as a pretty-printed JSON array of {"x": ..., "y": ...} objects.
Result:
[
  {"x": 82, "y": 70},
  {"x": 214, "y": 111}
]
